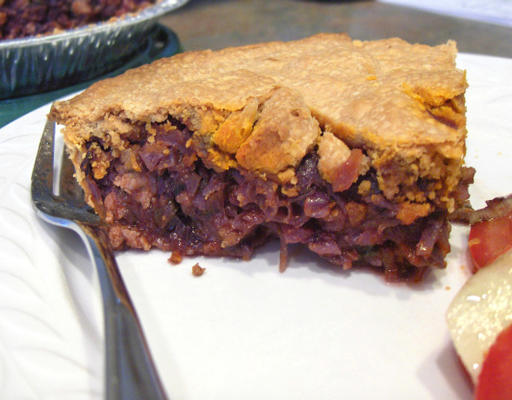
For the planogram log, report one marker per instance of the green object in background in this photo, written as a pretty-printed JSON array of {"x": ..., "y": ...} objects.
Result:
[{"x": 163, "y": 42}]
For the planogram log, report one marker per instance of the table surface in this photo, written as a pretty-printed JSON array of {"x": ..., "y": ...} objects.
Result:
[{"x": 202, "y": 24}]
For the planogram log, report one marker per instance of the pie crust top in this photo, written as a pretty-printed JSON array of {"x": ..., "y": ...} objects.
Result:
[{"x": 263, "y": 107}]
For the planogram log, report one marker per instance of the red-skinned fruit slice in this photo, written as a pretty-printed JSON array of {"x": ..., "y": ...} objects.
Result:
[
  {"x": 489, "y": 239},
  {"x": 495, "y": 380}
]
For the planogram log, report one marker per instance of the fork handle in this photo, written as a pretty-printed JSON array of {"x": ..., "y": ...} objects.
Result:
[{"x": 130, "y": 373}]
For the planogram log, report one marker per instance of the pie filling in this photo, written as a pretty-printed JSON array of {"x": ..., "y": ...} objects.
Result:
[
  {"x": 22, "y": 18},
  {"x": 159, "y": 193}
]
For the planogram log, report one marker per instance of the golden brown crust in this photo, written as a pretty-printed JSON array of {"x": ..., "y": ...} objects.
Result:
[
  {"x": 284, "y": 133},
  {"x": 237, "y": 127},
  {"x": 332, "y": 153},
  {"x": 401, "y": 103}
]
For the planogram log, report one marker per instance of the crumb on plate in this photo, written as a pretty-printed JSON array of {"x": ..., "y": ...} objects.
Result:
[{"x": 197, "y": 270}]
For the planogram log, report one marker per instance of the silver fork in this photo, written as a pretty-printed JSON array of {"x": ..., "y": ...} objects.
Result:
[{"x": 129, "y": 369}]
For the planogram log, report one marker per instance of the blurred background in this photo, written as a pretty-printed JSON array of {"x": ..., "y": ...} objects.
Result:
[{"x": 478, "y": 26}]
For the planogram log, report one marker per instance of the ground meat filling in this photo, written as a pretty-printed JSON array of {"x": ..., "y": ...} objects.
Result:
[{"x": 160, "y": 194}]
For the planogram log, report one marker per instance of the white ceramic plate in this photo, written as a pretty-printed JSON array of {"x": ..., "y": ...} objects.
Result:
[{"x": 242, "y": 330}]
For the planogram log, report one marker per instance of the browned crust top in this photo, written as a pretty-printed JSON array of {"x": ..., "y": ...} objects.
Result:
[{"x": 264, "y": 106}]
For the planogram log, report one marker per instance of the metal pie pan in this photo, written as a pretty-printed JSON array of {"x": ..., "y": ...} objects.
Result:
[{"x": 37, "y": 64}]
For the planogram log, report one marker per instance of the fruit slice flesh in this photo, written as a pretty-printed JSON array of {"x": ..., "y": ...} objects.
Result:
[{"x": 480, "y": 311}]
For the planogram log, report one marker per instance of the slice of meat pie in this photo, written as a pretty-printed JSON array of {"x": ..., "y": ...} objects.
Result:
[{"x": 354, "y": 149}]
